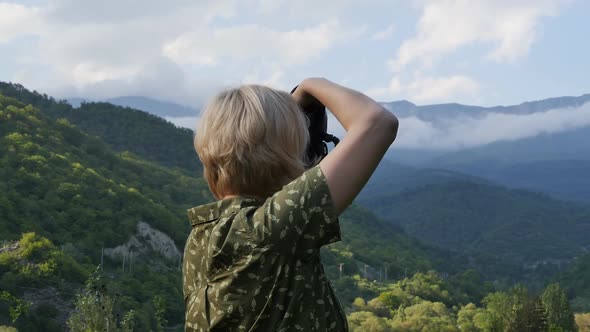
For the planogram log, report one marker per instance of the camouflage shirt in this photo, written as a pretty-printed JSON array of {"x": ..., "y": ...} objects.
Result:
[{"x": 254, "y": 265}]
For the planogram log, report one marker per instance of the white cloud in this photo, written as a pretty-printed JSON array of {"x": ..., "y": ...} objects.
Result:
[
  {"x": 441, "y": 89},
  {"x": 465, "y": 132},
  {"x": 384, "y": 34},
  {"x": 81, "y": 12},
  {"x": 509, "y": 26},
  {"x": 189, "y": 122},
  {"x": 17, "y": 20},
  {"x": 429, "y": 89},
  {"x": 273, "y": 78},
  {"x": 252, "y": 41},
  {"x": 90, "y": 48}
]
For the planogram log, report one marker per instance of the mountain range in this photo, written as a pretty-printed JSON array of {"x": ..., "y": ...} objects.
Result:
[
  {"x": 404, "y": 108},
  {"x": 87, "y": 177},
  {"x": 153, "y": 106}
]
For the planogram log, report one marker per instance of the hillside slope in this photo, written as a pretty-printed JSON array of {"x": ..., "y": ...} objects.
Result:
[
  {"x": 556, "y": 164},
  {"x": 392, "y": 178},
  {"x": 472, "y": 217},
  {"x": 123, "y": 129}
]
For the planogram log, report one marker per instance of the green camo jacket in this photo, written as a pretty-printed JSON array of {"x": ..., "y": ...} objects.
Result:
[{"x": 255, "y": 265}]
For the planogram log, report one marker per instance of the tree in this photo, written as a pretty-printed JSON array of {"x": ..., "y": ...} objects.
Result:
[
  {"x": 556, "y": 304},
  {"x": 365, "y": 321},
  {"x": 94, "y": 310},
  {"x": 159, "y": 304},
  {"x": 425, "y": 316},
  {"x": 583, "y": 322},
  {"x": 466, "y": 318},
  {"x": 515, "y": 310},
  {"x": 17, "y": 307}
]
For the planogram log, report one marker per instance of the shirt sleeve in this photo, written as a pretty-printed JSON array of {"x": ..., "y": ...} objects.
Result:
[{"x": 301, "y": 217}]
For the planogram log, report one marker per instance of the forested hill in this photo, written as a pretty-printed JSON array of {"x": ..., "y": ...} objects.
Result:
[
  {"x": 81, "y": 193},
  {"x": 153, "y": 106},
  {"x": 73, "y": 190},
  {"x": 475, "y": 217},
  {"x": 123, "y": 129}
]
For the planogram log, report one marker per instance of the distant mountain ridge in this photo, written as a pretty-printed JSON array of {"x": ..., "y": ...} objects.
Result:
[
  {"x": 402, "y": 108},
  {"x": 557, "y": 164},
  {"x": 153, "y": 106},
  {"x": 434, "y": 112}
]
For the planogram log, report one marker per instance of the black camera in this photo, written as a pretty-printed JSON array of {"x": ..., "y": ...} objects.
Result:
[{"x": 315, "y": 112}]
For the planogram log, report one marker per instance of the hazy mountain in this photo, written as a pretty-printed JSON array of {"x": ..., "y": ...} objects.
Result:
[
  {"x": 402, "y": 108},
  {"x": 392, "y": 178},
  {"x": 557, "y": 164},
  {"x": 539, "y": 145},
  {"x": 472, "y": 217},
  {"x": 153, "y": 106},
  {"x": 436, "y": 112}
]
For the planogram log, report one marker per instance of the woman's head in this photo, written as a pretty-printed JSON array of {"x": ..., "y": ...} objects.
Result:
[{"x": 251, "y": 140}]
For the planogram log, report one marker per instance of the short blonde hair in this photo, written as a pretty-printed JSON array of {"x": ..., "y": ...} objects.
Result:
[{"x": 251, "y": 140}]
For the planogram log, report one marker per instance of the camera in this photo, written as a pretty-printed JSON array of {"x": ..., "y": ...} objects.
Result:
[{"x": 315, "y": 112}]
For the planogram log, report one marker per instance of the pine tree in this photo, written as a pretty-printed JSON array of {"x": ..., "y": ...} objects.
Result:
[{"x": 556, "y": 304}]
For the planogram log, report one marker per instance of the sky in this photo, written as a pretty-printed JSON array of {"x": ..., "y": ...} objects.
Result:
[
  {"x": 481, "y": 52},
  {"x": 477, "y": 52}
]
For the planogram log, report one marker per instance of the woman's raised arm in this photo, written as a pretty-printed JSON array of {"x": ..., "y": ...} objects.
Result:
[{"x": 370, "y": 131}]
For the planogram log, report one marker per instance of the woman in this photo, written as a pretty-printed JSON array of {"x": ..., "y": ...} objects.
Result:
[{"x": 252, "y": 260}]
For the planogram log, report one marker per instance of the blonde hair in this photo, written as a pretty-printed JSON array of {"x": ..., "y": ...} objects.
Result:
[{"x": 251, "y": 140}]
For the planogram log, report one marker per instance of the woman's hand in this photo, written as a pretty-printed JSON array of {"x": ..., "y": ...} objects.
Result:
[
  {"x": 302, "y": 97},
  {"x": 370, "y": 131}
]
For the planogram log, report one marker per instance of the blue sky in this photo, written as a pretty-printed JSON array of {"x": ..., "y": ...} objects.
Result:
[{"x": 484, "y": 52}]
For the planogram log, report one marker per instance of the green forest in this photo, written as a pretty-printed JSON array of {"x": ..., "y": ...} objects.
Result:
[{"x": 80, "y": 184}]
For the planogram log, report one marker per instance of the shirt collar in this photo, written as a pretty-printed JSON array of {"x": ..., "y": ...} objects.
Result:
[{"x": 212, "y": 211}]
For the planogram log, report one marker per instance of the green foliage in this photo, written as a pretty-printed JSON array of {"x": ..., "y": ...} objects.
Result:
[
  {"x": 366, "y": 321},
  {"x": 583, "y": 322},
  {"x": 421, "y": 287},
  {"x": 128, "y": 322},
  {"x": 515, "y": 310},
  {"x": 557, "y": 307},
  {"x": 159, "y": 304},
  {"x": 94, "y": 309},
  {"x": 7, "y": 329},
  {"x": 35, "y": 265},
  {"x": 17, "y": 307},
  {"x": 468, "y": 316},
  {"x": 36, "y": 261},
  {"x": 123, "y": 129},
  {"x": 576, "y": 280},
  {"x": 424, "y": 303},
  {"x": 73, "y": 189},
  {"x": 424, "y": 316}
]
